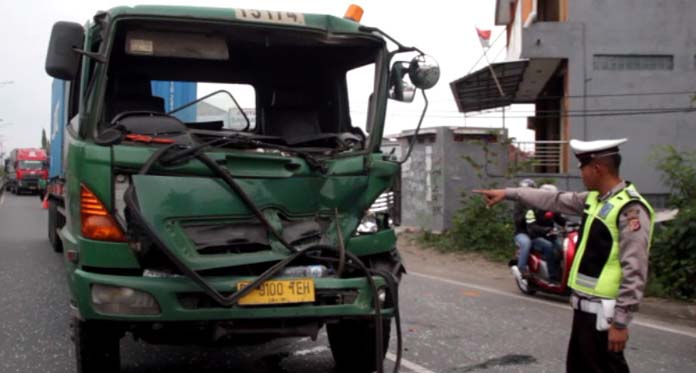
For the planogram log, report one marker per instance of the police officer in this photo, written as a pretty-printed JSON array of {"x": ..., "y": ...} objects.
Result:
[{"x": 610, "y": 268}]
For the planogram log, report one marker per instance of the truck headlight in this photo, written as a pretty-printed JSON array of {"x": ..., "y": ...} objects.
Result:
[
  {"x": 368, "y": 224},
  {"x": 123, "y": 301}
]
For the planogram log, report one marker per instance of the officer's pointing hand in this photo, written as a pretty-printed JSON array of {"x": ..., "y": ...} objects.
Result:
[{"x": 491, "y": 196}]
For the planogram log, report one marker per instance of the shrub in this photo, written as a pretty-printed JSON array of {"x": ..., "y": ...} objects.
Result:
[
  {"x": 673, "y": 253},
  {"x": 476, "y": 228}
]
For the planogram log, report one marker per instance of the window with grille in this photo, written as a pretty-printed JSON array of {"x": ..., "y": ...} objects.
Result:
[{"x": 619, "y": 62}]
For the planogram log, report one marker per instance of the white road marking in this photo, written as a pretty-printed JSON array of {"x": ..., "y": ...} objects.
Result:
[
  {"x": 687, "y": 332},
  {"x": 2, "y": 199},
  {"x": 407, "y": 364},
  {"x": 310, "y": 351}
]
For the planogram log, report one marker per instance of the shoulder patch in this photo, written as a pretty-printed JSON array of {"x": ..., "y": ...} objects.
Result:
[
  {"x": 632, "y": 213},
  {"x": 606, "y": 209},
  {"x": 632, "y": 193}
]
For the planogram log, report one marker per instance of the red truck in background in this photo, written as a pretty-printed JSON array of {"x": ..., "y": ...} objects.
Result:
[{"x": 26, "y": 170}]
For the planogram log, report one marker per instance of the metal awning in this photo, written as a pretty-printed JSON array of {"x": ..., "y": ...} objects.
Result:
[{"x": 478, "y": 91}]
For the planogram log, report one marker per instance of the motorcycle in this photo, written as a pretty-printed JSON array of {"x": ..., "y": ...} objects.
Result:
[{"x": 538, "y": 278}]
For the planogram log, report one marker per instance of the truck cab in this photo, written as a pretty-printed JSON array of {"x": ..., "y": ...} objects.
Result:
[
  {"x": 26, "y": 170},
  {"x": 233, "y": 218}
]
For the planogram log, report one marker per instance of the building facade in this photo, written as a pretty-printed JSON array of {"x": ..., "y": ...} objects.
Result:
[{"x": 596, "y": 69}]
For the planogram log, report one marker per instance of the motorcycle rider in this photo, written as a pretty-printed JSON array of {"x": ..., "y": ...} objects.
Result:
[
  {"x": 521, "y": 214},
  {"x": 542, "y": 230}
]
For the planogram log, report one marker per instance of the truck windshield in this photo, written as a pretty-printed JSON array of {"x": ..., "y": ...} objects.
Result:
[
  {"x": 219, "y": 106},
  {"x": 295, "y": 88},
  {"x": 30, "y": 165}
]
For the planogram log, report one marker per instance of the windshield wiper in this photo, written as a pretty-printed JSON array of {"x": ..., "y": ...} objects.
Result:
[{"x": 189, "y": 152}]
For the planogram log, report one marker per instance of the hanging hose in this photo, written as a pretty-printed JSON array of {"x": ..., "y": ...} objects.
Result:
[
  {"x": 341, "y": 246},
  {"x": 130, "y": 198}
]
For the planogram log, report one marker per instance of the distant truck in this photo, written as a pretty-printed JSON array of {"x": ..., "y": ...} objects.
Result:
[{"x": 26, "y": 170}]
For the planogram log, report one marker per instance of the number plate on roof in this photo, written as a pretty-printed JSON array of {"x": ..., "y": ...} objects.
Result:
[{"x": 291, "y": 18}]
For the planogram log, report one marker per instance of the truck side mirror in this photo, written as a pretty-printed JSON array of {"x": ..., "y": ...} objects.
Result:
[
  {"x": 400, "y": 87},
  {"x": 424, "y": 71},
  {"x": 62, "y": 61}
]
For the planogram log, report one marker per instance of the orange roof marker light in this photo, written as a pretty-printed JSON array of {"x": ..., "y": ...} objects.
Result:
[
  {"x": 97, "y": 223},
  {"x": 354, "y": 13}
]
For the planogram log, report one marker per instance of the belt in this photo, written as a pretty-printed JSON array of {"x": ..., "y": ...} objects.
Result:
[{"x": 585, "y": 305}]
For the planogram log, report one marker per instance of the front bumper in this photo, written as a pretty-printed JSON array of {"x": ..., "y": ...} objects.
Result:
[
  {"x": 172, "y": 293},
  {"x": 32, "y": 184}
]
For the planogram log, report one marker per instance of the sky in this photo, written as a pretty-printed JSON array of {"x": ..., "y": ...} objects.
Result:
[{"x": 443, "y": 29}]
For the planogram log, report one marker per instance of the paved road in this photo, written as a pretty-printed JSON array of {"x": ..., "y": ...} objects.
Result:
[{"x": 448, "y": 326}]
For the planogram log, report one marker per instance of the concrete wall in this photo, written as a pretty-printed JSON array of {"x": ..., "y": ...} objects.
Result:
[
  {"x": 626, "y": 27},
  {"x": 437, "y": 173},
  {"x": 421, "y": 185}
]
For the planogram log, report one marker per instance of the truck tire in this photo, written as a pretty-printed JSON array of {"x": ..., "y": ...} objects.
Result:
[
  {"x": 54, "y": 219},
  {"x": 96, "y": 347},
  {"x": 353, "y": 344}
]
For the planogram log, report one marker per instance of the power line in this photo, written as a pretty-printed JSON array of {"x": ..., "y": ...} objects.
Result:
[
  {"x": 446, "y": 113},
  {"x": 580, "y": 115},
  {"x": 588, "y": 111},
  {"x": 627, "y": 94},
  {"x": 574, "y": 114}
]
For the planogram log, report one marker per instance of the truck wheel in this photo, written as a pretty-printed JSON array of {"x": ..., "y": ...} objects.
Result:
[
  {"x": 54, "y": 219},
  {"x": 96, "y": 347},
  {"x": 353, "y": 344}
]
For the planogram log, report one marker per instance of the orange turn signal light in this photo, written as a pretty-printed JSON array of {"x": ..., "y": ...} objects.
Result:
[
  {"x": 97, "y": 223},
  {"x": 354, "y": 13}
]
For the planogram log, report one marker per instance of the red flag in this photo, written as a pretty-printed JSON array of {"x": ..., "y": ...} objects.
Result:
[{"x": 484, "y": 37}]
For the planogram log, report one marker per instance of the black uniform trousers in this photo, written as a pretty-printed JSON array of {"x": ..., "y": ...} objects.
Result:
[{"x": 588, "y": 350}]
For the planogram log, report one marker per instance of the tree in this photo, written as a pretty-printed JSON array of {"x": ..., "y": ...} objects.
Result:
[{"x": 45, "y": 144}]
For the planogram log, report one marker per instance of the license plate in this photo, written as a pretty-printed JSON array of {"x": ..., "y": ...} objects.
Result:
[{"x": 299, "y": 290}]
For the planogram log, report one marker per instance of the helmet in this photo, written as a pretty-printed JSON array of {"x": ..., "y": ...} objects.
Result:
[
  {"x": 527, "y": 183},
  {"x": 549, "y": 187}
]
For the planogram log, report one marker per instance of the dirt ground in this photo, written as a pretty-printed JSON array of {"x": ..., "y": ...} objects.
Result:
[{"x": 474, "y": 268}]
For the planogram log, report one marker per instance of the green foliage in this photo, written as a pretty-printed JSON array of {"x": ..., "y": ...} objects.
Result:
[
  {"x": 679, "y": 174},
  {"x": 673, "y": 253},
  {"x": 482, "y": 229},
  {"x": 476, "y": 228},
  {"x": 673, "y": 256},
  {"x": 45, "y": 144}
]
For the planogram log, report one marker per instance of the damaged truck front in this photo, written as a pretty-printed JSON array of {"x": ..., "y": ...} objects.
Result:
[{"x": 242, "y": 215}]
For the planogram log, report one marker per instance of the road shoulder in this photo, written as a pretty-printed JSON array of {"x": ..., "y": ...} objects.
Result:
[{"x": 475, "y": 269}]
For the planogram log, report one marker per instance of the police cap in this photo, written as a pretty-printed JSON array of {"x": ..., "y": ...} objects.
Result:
[{"x": 586, "y": 151}]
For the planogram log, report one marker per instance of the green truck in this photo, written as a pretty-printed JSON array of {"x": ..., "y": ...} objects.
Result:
[{"x": 245, "y": 214}]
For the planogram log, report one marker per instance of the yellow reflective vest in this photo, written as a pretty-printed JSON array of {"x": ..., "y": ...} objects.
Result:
[{"x": 596, "y": 269}]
